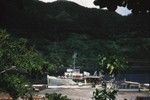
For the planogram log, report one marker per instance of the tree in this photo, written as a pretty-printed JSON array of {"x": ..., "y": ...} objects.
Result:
[
  {"x": 17, "y": 52},
  {"x": 112, "y": 64},
  {"x": 105, "y": 94},
  {"x": 136, "y": 6},
  {"x": 14, "y": 85}
]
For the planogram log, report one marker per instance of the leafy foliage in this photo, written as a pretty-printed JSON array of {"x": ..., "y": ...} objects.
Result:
[
  {"x": 112, "y": 65},
  {"x": 105, "y": 94},
  {"x": 54, "y": 21},
  {"x": 55, "y": 96},
  {"x": 60, "y": 53},
  {"x": 17, "y": 52},
  {"x": 49, "y": 26},
  {"x": 14, "y": 85}
]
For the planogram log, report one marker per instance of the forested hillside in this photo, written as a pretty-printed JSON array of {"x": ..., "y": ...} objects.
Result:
[{"x": 59, "y": 29}]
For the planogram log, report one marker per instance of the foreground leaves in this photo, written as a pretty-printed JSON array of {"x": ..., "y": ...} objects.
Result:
[
  {"x": 27, "y": 62},
  {"x": 112, "y": 64},
  {"x": 105, "y": 94},
  {"x": 55, "y": 96}
]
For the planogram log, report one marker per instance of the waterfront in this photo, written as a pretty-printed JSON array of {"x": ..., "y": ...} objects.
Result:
[{"x": 87, "y": 93}]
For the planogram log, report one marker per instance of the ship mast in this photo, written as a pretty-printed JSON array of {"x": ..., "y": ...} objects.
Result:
[{"x": 74, "y": 59}]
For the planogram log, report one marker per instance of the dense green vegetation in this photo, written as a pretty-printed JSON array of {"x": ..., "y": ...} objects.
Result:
[
  {"x": 105, "y": 94},
  {"x": 59, "y": 29},
  {"x": 55, "y": 20},
  {"x": 113, "y": 65},
  {"x": 55, "y": 96},
  {"x": 14, "y": 85},
  {"x": 18, "y": 52},
  {"x": 27, "y": 61},
  {"x": 42, "y": 37}
]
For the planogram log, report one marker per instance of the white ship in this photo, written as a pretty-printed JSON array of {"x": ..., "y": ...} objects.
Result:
[
  {"x": 73, "y": 77},
  {"x": 56, "y": 81}
]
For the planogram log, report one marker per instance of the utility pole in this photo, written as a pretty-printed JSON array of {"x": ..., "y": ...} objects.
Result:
[{"x": 74, "y": 59}]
